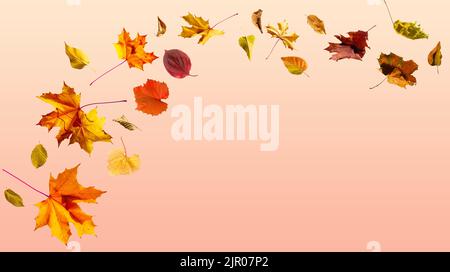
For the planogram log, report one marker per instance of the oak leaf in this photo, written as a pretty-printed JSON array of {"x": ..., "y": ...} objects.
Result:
[
  {"x": 148, "y": 97},
  {"x": 133, "y": 50},
  {"x": 351, "y": 47},
  {"x": 397, "y": 70},
  {"x": 61, "y": 207},
  {"x": 199, "y": 26},
  {"x": 72, "y": 121}
]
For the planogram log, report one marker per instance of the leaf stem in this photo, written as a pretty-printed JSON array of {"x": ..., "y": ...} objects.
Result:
[
  {"x": 12, "y": 175},
  {"x": 273, "y": 48},
  {"x": 124, "y": 147},
  {"x": 104, "y": 103},
  {"x": 107, "y": 72},
  {"x": 389, "y": 11},
  {"x": 371, "y": 28},
  {"x": 229, "y": 17},
  {"x": 378, "y": 85}
]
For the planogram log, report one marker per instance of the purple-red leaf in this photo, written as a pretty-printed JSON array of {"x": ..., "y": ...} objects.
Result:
[{"x": 177, "y": 63}]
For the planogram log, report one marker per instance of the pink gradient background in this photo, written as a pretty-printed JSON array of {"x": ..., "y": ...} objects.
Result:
[{"x": 353, "y": 166}]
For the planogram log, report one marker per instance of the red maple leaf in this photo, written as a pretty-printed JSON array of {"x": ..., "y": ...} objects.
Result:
[{"x": 352, "y": 47}]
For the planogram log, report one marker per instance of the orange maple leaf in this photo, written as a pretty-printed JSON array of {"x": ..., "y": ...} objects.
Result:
[
  {"x": 74, "y": 123},
  {"x": 133, "y": 50},
  {"x": 61, "y": 207},
  {"x": 148, "y": 97}
]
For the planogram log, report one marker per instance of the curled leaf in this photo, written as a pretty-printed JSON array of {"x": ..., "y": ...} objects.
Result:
[
  {"x": 13, "y": 198},
  {"x": 410, "y": 30},
  {"x": 199, "y": 26},
  {"x": 162, "y": 28},
  {"x": 435, "y": 56},
  {"x": 39, "y": 156},
  {"x": 256, "y": 19},
  {"x": 247, "y": 42},
  {"x": 316, "y": 24},
  {"x": 123, "y": 121},
  {"x": 398, "y": 71},
  {"x": 148, "y": 97},
  {"x": 177, "y": 63},
  {"x": 351, "y": 47},
  {"x": 120, "y": 164},
  {"x": 78, "y": 59},
  {"x": 295, "y": 65}
]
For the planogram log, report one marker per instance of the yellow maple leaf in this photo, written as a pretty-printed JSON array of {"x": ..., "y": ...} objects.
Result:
[
  {"x": 199, "y": 26},
  {"x": 61, "y": 207},
  {"x": 281, "y": 33},
  {"x": 72, "y": 121},
  {"x": 120, "y": 164},
  {"x": 133, "y": 50}
]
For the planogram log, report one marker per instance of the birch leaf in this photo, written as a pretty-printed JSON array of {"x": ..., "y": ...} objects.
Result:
[
  {"x": 78, "y": 59},
  {"x": 39, "y": 156},
  {"x": 295, "y": 65},
  {"x": 316, "y": 24},
  {"x": 13, "y": 198}
]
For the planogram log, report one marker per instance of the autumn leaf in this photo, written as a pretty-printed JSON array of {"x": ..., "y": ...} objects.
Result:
[
  {"x": 61, "y": 207},
  {"x": 39, "y": 156},
  {"x": 398, "y": 71},
  {"x": 133, "y": 50},
  {"x": 148, "y": 97},
  {"x": 351, "y": 47},
  {"x": 177, "y": 63},
  {"x": 78, "y": 59},
  {"x": 162, "y": 28},
  {"x": 295, "y": 65},
  {"x": 281, "y": 34},
  {"x": 72, "y": 121},
  {"x": 123, "y": 121},
  {"x": 435, "y": 57},
  {"x": 120, "y": 164},
  {"x": 316, "y": 24},
  {"x": 247, "y": 42},
  {"x": 410, "y": 30},
  {"x": 13, "y": 198},
  {"x": 256, "y": 19},
  {"x": 200, "y": 26}
]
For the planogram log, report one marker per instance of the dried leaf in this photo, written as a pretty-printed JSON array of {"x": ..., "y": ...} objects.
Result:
[
  {"x": 13, "y": 198},
  {"x": 78, "y": 59},
  {"x": 72, "y": 121},
  {"x": 316, "y": 24},
  {"x": 177, "y": 63},
  {"x": 199, "y": 26},
  {"x": 281, "y": 33},
  {"x": 120, "y": 164},
  {"x": 256, "y": 19},
  {"x": 410, "y": 30},
  {"x": 162, "y": 28},
  {"x": 435, "y": 56},
  {"x": 133, "y": 50},
  {"x": 398, "y": 71},
  {"x": 123, "y": 121},
  {"x": 247, "y": 42},
  {"x": 61, "y": 207},
  {"x": 148, "y": 97},
  {"x": 39, "y": 156},
  {"x": 295, "y": 65},
  {"x": 351, "y": 47}
]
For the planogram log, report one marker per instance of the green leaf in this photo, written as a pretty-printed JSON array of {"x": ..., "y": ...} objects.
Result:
[
  {"x": 39, "y": 156},
  {"x": 78, "y": 59},
  {"x": 410, "y": 30},
  {"x": 13, "y": 198},
  {"x": 247, "y": 42}
]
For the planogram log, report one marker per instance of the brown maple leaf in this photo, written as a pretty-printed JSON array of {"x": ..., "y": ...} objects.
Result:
[{"x": 351, "y": 47}]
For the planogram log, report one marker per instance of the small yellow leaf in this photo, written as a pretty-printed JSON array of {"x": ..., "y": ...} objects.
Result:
[
  {"x": 410, "y": 30},
  {"x": 280, "y": 32},
  {"x": 256, "y": 19},
  {"x": 120, "y": 164},
  {"x": 295, "y": 65},
  {"x": 247, "y": 42},
  {"x": 199, "y": 26},
  {"x": 78, "y": 59},
  {"x": 162, "y": 28},
  {"x": 13, "y": 198},
  {"x": 316, "y": 24},
  {"x": 123, "y": 121},
  {"x": 39, "y": 156}
]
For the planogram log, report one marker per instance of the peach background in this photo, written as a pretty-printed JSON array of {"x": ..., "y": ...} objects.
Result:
[{"x": 353, "y": 166}]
